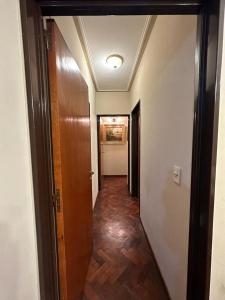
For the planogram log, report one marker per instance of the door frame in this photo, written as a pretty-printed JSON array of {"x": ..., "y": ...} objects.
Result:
[
  {"x": 99, "y": 148},
  {"x": 205, "y": 131},
  {"x": 135, "y": 153}
]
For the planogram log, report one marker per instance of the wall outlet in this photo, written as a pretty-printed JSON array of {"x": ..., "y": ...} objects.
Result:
[{"x": 177, "y": 175}]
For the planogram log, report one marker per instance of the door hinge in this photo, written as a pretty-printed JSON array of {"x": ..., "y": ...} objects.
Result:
[
  {"x": 48, "y": 39},
  {"x": 47, "y": 34},
  {"x": 56, "y": 200}
]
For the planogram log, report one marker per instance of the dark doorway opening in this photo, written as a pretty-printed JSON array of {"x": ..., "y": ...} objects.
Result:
[
  {"x": 135, "y": 152},
  {"x": 100, "y": 154}
]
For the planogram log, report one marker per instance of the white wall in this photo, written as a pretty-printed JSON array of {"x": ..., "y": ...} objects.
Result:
[
  {"x": 18, "y": 253},
  {"x": 165, "y": 86},
  {"x": 114, "y": 159},
  {"x": 112, "y": 103},
  {"x": 217, "y": 289},
  {"x": 69, "y": 32}
]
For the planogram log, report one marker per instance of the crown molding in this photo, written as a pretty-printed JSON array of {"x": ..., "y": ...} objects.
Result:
[
  {"x": 149, "y": 24},
  {"x": 143, "y": 43},
  {"x": 83, "y": 45}
]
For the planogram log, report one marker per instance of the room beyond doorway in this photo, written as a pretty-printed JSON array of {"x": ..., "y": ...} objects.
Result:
[{"x": 113, "y": 147}]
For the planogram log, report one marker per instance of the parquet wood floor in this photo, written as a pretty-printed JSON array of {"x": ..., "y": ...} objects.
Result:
[{"x": 122, "y": 266}]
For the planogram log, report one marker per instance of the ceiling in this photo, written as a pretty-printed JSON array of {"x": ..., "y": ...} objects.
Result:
[{"x": 102, "y": 36}]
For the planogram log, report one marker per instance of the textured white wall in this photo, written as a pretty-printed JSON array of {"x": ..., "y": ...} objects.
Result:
[
  {"x": 112, "y": 103},
  {"x": 18, "y": 253},
  {"x": 165, "y": 86},
  {"x": 69, "y": 32},
  {"x": 217, "y": 291}
]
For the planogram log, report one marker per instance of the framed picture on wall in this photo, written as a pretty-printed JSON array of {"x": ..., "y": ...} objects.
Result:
[{"x": 113, "y": 134}]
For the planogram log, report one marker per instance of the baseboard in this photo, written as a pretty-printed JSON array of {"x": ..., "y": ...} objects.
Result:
[{"x": 154, "y": 258}]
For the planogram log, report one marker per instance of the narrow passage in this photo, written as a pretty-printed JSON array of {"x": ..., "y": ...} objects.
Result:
[{"x": 122, "y": 266}]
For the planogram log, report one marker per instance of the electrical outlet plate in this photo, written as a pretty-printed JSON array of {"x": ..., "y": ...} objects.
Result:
[{"x": 177, "y": 175}]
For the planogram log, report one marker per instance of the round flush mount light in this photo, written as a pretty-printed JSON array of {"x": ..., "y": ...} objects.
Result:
[{"x": 114, "y": 61}]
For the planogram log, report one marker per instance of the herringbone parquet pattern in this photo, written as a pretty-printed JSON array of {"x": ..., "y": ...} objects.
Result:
[{"x": 122, "y": 266}]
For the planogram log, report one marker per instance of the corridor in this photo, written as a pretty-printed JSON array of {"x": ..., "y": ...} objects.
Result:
[{"x": 122, "y": 266}]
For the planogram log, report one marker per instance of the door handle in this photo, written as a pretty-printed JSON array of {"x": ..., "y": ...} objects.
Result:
[{"x": 91, "y": 173}]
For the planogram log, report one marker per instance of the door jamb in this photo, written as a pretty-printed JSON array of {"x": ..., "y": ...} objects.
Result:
[
  {"x": 37, "y": 88},
  {"x": 205, "y": 121},
  {"x": 136, "y": 108}
]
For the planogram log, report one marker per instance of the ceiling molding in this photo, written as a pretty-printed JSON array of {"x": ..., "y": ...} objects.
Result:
[
  {"x": 145, "y": 38},
  {"x": 80, "y": 35},
  {"x": 139, "y": 51},
  {"x": 139, "y": 54},
  {"x": 87, "y": 50}
]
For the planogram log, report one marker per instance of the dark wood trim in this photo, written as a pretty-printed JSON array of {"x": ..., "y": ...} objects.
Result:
[
  {"x": 135, "y": 151},
  {"x": 129, "y": 143},
  {"x": 155, "y": 260},
  {"x": 204, "y": 152},
  {"x": 99, "y": 148},
  {"x": 204, "y": 137},
  {"x": 36, "y": 72},
  {"x": 115, "y": 7},
  {"x": 99, "y": 154},
  {"x": 214, "y": 144}
]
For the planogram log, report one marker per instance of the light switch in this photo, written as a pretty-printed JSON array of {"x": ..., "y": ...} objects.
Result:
[{"x": 177, "y": 174}]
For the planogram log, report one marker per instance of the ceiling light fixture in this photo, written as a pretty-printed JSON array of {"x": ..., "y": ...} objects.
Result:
[{"x": 114, "y": 61}]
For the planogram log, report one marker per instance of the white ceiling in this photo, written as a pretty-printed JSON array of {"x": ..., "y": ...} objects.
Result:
[{"x": 106, "y": 35}]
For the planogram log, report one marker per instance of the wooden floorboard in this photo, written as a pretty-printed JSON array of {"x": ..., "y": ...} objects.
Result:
[{"x": 122, "y": 266}]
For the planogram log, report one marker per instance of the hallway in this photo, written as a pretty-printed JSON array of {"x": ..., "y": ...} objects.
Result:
[{"x": 122, "y": 266}]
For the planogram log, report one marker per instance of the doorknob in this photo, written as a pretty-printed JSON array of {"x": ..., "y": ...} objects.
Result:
[{"x": 91, "y": 173}]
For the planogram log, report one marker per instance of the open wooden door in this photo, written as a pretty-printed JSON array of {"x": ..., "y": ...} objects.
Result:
[{"x": 72, "y": 165}]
